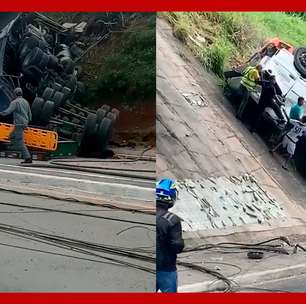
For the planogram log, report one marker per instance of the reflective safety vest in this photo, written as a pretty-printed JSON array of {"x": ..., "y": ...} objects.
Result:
[{"x": 248, "y": 80}]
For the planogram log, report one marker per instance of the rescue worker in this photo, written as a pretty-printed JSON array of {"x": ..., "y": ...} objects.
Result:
[
  {"x": 297, "y": 110},
  {"x": 250, "y": 78},
  {"x": 22, "y": 116},
  {"x": 269, "y": 90},
  {"x": 169, "y": 237}
]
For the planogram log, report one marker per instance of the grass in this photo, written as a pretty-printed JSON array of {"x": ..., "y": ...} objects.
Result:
[{"x": 223, "y": 39}]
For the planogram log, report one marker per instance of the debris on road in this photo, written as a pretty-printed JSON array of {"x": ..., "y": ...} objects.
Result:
[{"x": 224, "y": 202}]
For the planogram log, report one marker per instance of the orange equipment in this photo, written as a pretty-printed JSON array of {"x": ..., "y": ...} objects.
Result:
[{"x": 34, "y": 138}]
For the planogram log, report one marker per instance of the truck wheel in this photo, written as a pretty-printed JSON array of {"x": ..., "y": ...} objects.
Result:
[
  {"x": 43, "y": 62},
  {"x": 111, "y": 116},
  {"x": 76, "y": 121},
  {"x": 33, "y": 57},
  {"x": 106, "y": 108},
  {"x": 36, "y": 109},
  {"x": 116, "y": 112},
  {"x": 58, "y": 99},
  {"x": 47, "y": 112},
  {"x": 53, "y": 62},
  {"x": 57, "y": 87},
  {"x": 48, "y": 93},
  {"x": 104, "y": 133},
  {"x": 100, "y": 115},
  {"x": 90, "y": 125},
  {"x": 66, "y": 91},
  {"x": 71, "y": 82},
  {"x": 300, "y": 60},
  {"x": 88, "y": 134},
  {"x": 80, "y": 87}
]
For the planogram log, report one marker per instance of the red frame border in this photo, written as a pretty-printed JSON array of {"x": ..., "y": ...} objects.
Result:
[
  {"x": 151, "y": 298},
  {"x": 151, "y": 6},
  {"x": 146, "y": 6}
]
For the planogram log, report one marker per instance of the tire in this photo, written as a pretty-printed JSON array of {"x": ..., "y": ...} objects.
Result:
[
  {"x": 53, "y": 62},
  {"x": 33, "y": 58},
  {"x": 58, "y": 99},
  {"x": 111, "y": 116},
  {"x": 48, "y": 94},
  {"x": 71, "y": 82},
  {"x": 106, "y": 108},
  {"x": 79, "y": 70},
  {"x": 36, "y": 109},
  {"x": 88, "y": 134},
  {"x": 66, "y": 91},
  {"x": 104, "y": 133},
  {"x": 28, "y": 44},
  {"x": 80, "y": 87},
  {"x": 68, "y": 65},
  {"x": 300, "y": 60},
  {"x": 100, "y": 115},
  {"x": 90, "y": 126},
  {"x": 75, "y": 51},
  {"x": 57, "y": 87},
  {"x": 47, "y": 112},
  {"x": 116, "y": 112},
  {"x": 76, "y": 121},
  {"x": 43, "y": 62}
]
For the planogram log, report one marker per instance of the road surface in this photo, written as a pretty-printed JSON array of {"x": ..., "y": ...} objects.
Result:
[
  {"x": 27, "y": 263},
  {"x": 291, "y": 284}
]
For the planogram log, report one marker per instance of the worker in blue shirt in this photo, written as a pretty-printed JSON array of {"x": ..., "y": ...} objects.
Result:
[{"x": 297, "y": 110}]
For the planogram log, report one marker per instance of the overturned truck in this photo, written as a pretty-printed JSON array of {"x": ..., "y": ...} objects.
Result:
[
  {"x": 41, "y": 56},
  {"x": 289, "y": 67}
]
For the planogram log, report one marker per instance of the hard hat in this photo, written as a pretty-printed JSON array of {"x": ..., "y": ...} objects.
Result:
[{"x": 166, "y": 192}]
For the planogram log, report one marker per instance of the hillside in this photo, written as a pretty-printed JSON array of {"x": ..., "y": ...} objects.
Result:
[{"x": 221, "y": 40}]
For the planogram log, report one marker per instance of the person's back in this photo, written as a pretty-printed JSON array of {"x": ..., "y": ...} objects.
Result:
[
  {"x": 22, "y": 113},
  {"x": 251, "y": 76},
  {"x": 297, "y": 110},
  {"x": 169, "y": 240},
  {"x": 22, "y": 116}
]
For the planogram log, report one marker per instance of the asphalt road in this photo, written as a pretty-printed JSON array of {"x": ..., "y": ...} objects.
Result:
[
  {"x": 292, "y": 284},
  {"x": 31, "y": 265}
]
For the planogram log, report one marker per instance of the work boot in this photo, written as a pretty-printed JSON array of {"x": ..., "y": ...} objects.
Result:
[{"x": 27, "y": 161}]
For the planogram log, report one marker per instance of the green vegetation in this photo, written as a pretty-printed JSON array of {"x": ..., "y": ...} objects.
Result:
[
  {"x": 221, "y": 40},
  {"x": 127, "y": 69}
]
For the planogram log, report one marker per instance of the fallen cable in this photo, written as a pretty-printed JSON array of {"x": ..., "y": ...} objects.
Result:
[
  {"x": 83, "y": 247},
  {"x": 70, "y": 199},
  {"x": 79, "y": 214},
  {"x": 92, "y": 170}
]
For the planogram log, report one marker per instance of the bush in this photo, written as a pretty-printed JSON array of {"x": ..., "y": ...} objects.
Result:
[{"x": 129, "y": 70}]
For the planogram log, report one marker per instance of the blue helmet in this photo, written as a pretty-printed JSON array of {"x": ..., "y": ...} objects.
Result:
[{"x": 166, "y": 192}]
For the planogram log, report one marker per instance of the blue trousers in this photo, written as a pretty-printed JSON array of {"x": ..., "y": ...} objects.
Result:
[{"x": 166, "y": 281}]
